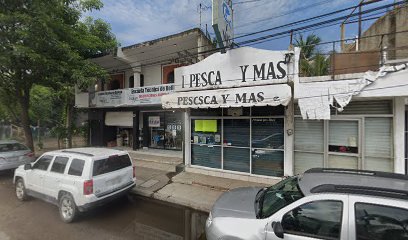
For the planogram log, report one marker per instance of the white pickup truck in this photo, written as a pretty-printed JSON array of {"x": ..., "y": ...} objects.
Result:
[{"x": 76, "y": 179}]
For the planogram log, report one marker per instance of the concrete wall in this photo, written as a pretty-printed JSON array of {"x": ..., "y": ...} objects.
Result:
[
  {"x": 152, "y": 75},
  {"x": 394, "y": 21},
  {"x": 355, "y": 62}
]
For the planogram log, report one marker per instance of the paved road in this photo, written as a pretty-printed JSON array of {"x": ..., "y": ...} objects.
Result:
[{"x": 135, "y": 218}]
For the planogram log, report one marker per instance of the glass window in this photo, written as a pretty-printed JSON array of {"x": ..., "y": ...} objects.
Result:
[
  {"x": 237, "y": 111},
  {"x": 343, "y": 136},
  {"x": 268, "y": 111},
  {"x": 267, "y": 162},
  {"x": 268, "y": 133},
  {"x": 320, "y": 219},
  {"x": 113, "y": 163},
  {"x": 376, "y": 222},
  {"x": 76, "y": 168},
  {"x": 174, "y": 131},
  {"x": 236, "y": 132},
  {"x": 237, "y": 159},
  {"x": 206, "y": 142},
  {"x": 270, "y": 200},
  {"x": 59, "y": 164},
  {"x": 206, "y": 112},
  {"x": 43, "y": 163}
]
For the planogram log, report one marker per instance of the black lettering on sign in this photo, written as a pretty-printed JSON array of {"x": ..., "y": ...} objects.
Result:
[
  {"x": 243, "y": 71},
  {"x": 259, "y": 72},
  {"x": 271, "y": 71},
  {"x": 281, "y": 70},
  {"x": 239, "y": 98},
  {"x": 224, "y": 98},
  {"x": 260, "y": 96}
]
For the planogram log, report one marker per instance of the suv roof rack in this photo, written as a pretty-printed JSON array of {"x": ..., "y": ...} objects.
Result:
[
  {"x": 359, "y": 172},
  {"x": 364, "y": 190},
  {"x": 76, "y": 152}
]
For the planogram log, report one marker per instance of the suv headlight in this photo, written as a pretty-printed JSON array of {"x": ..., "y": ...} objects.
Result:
[{"x": 209, "y": 220}]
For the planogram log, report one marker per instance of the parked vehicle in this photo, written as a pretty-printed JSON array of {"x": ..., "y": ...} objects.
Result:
[
  {"x": 76, "y": 179},
  {"x": 320, "y": 204},
  {"x": 14, "y": 154}
]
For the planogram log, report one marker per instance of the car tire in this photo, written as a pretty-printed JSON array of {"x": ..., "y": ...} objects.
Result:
[
  {"x": 67, "y": 208},
  {"x": 21, "y": 191}
]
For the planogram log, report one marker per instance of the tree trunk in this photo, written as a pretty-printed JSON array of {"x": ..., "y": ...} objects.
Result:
[
  {"x": 24, "y": 100},
  {"x": 69, "y": 109}
]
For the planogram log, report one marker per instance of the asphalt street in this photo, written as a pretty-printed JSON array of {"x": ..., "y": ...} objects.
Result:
[{"x": 126, "y": 218}]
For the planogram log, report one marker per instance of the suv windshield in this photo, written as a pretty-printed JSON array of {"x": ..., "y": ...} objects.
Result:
[{"x": 270, "y": 200}]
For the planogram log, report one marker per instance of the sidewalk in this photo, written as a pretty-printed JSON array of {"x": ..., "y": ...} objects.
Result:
[{"x": 192, "y": 190}]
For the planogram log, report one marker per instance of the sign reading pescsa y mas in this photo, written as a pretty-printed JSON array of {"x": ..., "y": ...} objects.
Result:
[{"x": 238, "y": 67}]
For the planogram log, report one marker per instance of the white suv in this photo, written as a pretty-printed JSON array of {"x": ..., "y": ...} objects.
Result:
[
  {"x": 76, "y": 179},
  {"x": 320, "y": 204}
]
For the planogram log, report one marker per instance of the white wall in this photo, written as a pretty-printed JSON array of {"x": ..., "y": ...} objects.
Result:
[{"x": 152, "y": 75}]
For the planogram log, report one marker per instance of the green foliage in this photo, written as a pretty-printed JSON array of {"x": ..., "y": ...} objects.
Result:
[
  {"x": 311, "y": 63},
  {"x": 45, "y": 43}
]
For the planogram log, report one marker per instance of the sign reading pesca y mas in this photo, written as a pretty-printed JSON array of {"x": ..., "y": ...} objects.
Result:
[{"x": 237, "y": 68}]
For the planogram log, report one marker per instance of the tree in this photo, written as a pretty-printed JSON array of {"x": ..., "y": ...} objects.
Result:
[
  {"x": 312, "y": 63},
  {"x": 45, "y": 43}
]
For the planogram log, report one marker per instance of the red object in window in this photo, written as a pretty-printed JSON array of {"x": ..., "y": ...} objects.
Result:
[
  {"x": 342, "y": 149},
  {"x": 134, "y": 172},
  {"x": 88, "y": 187}
]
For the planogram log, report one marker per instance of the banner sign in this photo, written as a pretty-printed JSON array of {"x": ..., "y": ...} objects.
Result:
[
  {"x": 222, "y": 22},
  {"x": 150, "y": 95},
  {"x": 279, "y": 94},
  {"x": 154, "y": 121},
  {"x": 239, "y": 67}
]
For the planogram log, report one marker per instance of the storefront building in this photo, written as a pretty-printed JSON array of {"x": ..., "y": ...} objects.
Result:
[
  {"x": 125, "y": 110},
  {"x": 235, "y": 111}
]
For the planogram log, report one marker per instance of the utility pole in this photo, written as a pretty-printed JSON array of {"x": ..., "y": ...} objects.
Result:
[
  {"x": 359, "y": 20},
  {"x": 200, "y": 9}
]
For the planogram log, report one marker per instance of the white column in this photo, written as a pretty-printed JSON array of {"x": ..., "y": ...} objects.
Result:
[
  {"x": 399, "y": 138},
  {"x": 137, "y": 70},
  {"x": 289, "y": 139},
  {"x": 187, "y": 138}
]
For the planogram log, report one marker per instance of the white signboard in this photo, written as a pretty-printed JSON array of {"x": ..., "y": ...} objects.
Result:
[
  {"x": 111, "y": 98},
  {"x": 239, "y": 67},
  {"x": 154, "y": 121},
  {"x": 279, "y": 94},
  {"x": 148, "y": 95},
  {"x": 222, "y": 22}
]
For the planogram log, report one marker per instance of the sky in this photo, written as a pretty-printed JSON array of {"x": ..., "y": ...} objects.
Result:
[{"x": 135, "y": 21}]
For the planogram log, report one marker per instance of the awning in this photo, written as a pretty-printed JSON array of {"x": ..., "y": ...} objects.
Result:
[
  {"x": 119, "y": 119},
  {"x": 268, "y": 95}
]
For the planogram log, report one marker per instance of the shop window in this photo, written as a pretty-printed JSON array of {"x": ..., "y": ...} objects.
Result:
[
  {"x": 236, "y": 145},
  {"x": 206, "y": 142},
  {"x": 237, "y": 111},
  {"x": 268, "y": 111},
  {"x": 268, "y": 146},
  {"x": 343, "y": 136},
  {"x": 207, "y": 112}
]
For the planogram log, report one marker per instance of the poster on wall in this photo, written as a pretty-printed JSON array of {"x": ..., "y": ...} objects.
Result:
[{"x": 154, "y": 121}]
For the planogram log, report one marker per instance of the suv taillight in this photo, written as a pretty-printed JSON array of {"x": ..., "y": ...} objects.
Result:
[
  {"x": 88, "y": 187},
  {"x": 134, "y": 172},
  {"x": 30, "y": 154}
]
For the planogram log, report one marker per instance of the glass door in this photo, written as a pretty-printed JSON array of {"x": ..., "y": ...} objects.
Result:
[
  {"x": 156, "y": 131},
  {"x": 236, "y": 148},
  {"x": 268, "y": 146},
  {"x": 344, "y": 144}
]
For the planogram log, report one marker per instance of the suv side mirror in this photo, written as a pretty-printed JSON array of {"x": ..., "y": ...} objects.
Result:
[
  {"x": 27, "y": 166},
  {"x": 277, "y": 229}
]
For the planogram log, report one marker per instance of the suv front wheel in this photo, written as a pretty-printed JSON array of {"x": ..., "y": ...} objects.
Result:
[
  {"x": 21, "y": 190},
  {"x": 67, "y": 208}
]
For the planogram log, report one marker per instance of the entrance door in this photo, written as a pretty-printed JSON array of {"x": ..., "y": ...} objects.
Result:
[
  {"x": 344, "y": 144},
  {"x": 153, "y": 130}
]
